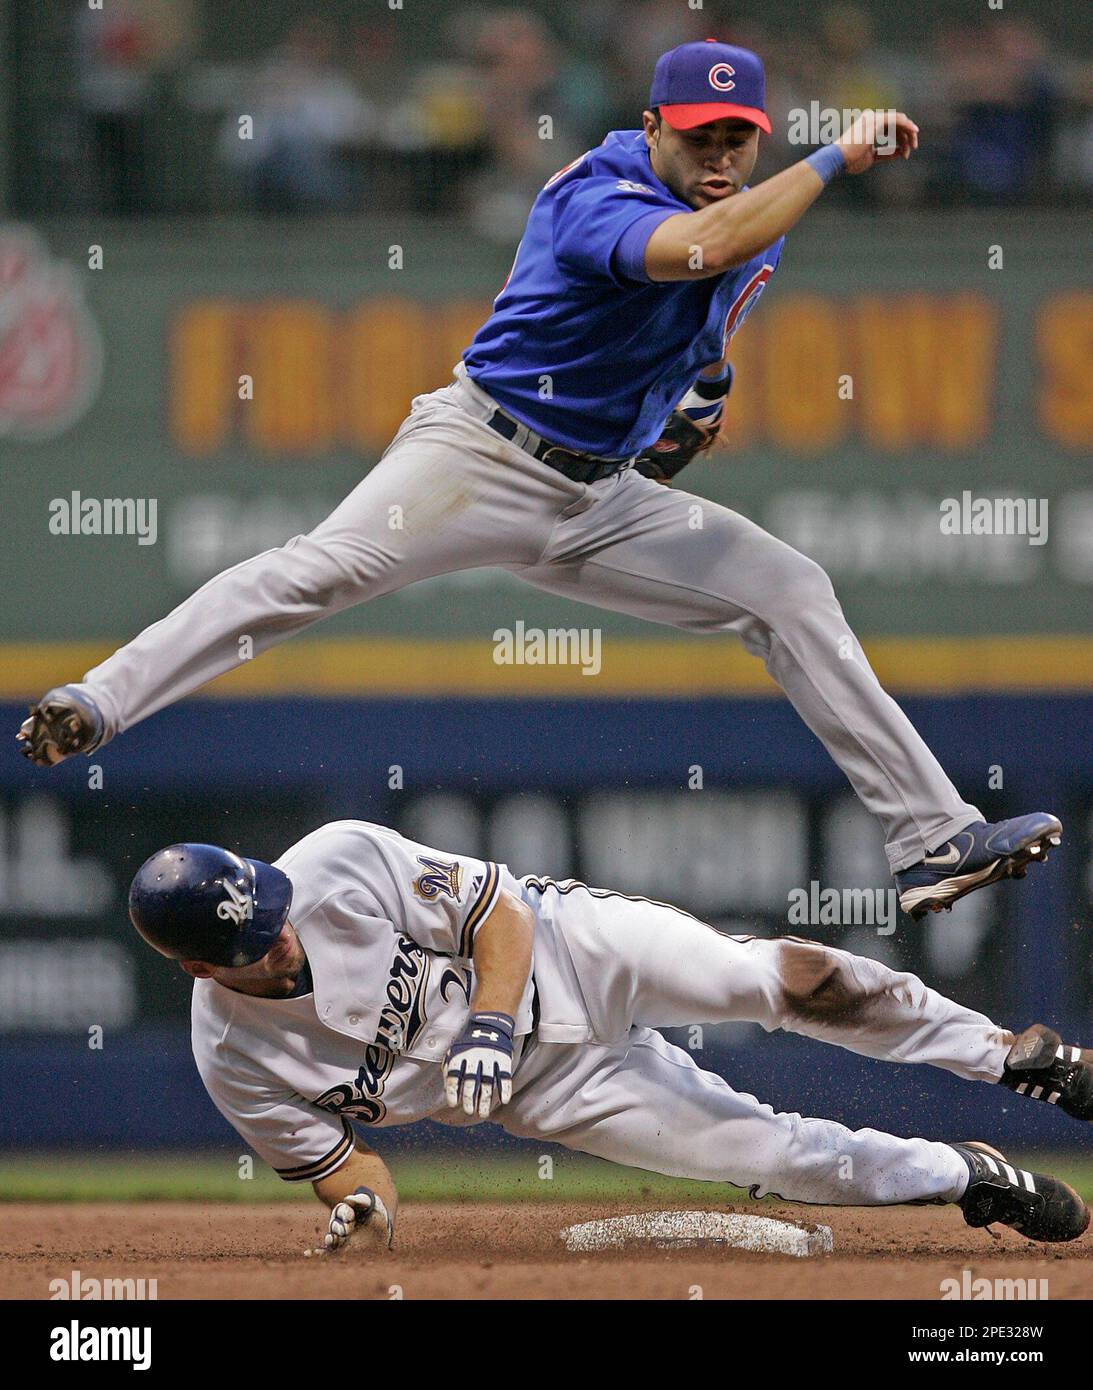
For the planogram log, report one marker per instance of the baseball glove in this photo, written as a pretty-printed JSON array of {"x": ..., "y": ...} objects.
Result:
[
  {"x": 679, "y": 443},
  {"x": 691, "y": 429}
]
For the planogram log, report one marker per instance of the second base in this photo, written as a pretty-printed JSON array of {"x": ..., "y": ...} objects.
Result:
[{"x": 674, "y": 1229}]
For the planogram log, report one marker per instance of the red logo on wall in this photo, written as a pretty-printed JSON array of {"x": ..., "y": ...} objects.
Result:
[{"x": 50, "y": 349}]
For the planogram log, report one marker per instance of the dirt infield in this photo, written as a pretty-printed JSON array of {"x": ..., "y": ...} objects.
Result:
[{"x": 505, "y": 1251}]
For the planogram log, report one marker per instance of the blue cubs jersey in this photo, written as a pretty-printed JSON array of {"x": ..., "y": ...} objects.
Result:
[{"x": 582, "y": 346}]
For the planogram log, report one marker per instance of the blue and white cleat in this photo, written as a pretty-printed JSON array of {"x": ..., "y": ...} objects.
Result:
[
  {"x": 974, "y": 857},
  {"x": 63, "y": 722}
]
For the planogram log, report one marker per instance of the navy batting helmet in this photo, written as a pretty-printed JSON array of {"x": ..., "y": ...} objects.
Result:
[{"x": 200, "y": 902}]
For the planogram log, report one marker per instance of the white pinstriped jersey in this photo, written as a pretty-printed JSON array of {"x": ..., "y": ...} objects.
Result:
[
  {"x": 389, "y": 929},
  {"x": 388, "y": 926}
]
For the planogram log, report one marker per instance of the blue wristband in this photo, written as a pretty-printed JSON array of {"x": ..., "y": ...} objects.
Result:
[
  {"x": 495, "y": 1019},
  {"x": 829, "y": 161}
]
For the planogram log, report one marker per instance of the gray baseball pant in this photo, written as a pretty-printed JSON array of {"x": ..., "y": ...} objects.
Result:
[{"x": 450, "y": 494}]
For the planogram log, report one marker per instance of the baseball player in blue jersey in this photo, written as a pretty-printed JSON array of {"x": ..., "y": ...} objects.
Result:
[{"x": 603, "y": 369}]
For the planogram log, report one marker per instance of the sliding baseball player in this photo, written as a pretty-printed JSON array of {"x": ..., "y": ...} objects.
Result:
[{"x": 365, "y": 980}]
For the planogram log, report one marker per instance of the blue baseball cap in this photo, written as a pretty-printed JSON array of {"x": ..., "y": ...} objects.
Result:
[{"x": 701, "y": 82}]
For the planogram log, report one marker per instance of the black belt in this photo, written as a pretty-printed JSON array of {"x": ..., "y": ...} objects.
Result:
[{"x": 581, "y": 468}]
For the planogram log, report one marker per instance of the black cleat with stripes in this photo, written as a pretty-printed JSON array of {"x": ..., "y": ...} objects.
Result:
[
  {"x": 1041, "y": 1066},
  {"x": 1036, "y": 1205}
]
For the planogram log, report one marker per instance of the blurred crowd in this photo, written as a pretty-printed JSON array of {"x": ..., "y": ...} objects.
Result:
[{"x": 346, "y": 115}]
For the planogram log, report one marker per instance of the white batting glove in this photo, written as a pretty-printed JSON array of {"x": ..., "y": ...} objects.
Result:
[
  {"x": 361, "y": 1208},
  {"x": 478, "y": 1067}
]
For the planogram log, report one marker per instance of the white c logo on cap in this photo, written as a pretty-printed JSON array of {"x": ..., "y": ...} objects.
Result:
[{"x": 721, "y": 77}]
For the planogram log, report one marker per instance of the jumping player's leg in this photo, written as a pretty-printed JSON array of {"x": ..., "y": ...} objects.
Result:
[
  {"x": 645, "y": 1103},
  {"x": 670, "y": 557},
  {"x": 449, "y": 494},
  {"x": 658, "y": 967}
]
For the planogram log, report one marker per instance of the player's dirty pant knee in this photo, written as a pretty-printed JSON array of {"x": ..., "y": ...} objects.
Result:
[
  {"x": 819, "y": 988},
  {"x": 857, "y": 1001}
]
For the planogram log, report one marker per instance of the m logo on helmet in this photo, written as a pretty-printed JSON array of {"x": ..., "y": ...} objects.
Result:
[
  {"x": 238, "y": 907},
  {"x": 721, "y": 77}
]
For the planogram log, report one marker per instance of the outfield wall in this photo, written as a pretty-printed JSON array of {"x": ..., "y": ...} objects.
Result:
[{"x": 886, "y": 370}]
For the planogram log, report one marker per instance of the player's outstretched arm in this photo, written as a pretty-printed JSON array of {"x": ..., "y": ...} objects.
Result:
[
  {"x": 478, "y": 1067},
  {"x": 697, "y": 245},
  {"x": 502, "y": 956},
  {"x": 362, "y": 1199}
]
